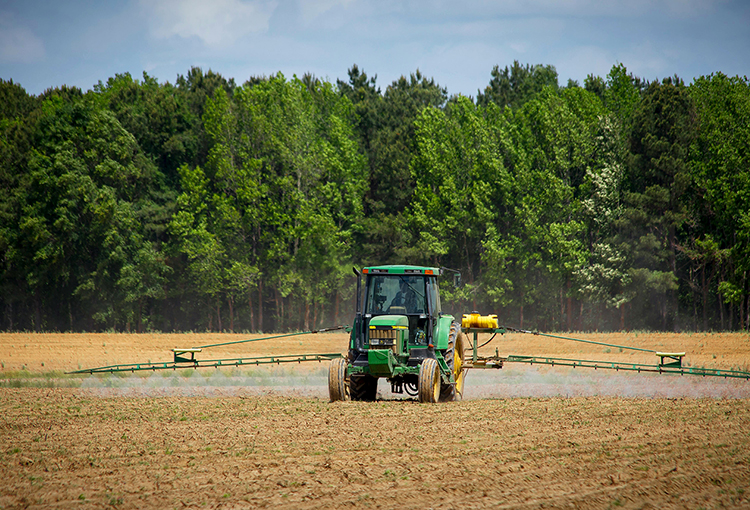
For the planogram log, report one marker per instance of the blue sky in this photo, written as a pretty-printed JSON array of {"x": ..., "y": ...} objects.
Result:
[{"x": 47, "y": 43}]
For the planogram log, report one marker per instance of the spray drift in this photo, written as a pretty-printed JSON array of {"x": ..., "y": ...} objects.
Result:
[{"x": 401, "y": 335}]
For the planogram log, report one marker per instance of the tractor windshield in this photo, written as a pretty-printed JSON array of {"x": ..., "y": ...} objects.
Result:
[{"x": 396, "y": 295}]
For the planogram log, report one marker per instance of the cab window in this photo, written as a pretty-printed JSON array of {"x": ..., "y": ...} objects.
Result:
[
  {"x": 396, "y": 295},
  {"x": 432, "y": 288}
]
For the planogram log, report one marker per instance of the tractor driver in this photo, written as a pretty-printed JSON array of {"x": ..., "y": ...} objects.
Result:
[{"x": 405, "y": 297}]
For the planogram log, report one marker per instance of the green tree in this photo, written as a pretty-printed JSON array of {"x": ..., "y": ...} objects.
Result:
[
  {"x": 558, "y": 135},
  {"x": 273, "y": 213},
  {"x": 195, "y": 89},
  {"x": 719, "y": 191},
  {"x": 657, "y": 178},
  {"x": 623, "y": 94},
  {"x": 18, "y": 112},
  {"x": 514, "y": 86},
  {"x": 195, "y": 237},
  {"x": 391, "y": 185},
  {"x": 496, "y": 195},
  {"x": 311, "y": 161},
  {"x": 458, "y": 172},
  {"x": 595, "y": 85},
  {"x": 367, "y": 100},
  {"x": 158, "y": 116},
  {"x": 77, "y": 227},
  {"x": 605, "y": 279},
  {"x": 390, "y": 143}
]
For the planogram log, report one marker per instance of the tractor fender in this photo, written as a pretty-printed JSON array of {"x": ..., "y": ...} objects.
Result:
[{"x": 442, "y": 332}]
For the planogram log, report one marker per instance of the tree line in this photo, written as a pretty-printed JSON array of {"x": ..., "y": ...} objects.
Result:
[{"x": 614, "y": 204}]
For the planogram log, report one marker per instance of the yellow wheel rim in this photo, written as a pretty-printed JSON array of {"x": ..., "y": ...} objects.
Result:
[
  {"x": 458, "y": 366},
  {"x": 436, "y": 386}
]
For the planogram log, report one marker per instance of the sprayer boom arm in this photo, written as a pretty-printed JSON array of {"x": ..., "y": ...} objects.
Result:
[
  {"x": 211, "y": 363},
  {"x": 670, "y": 362}
]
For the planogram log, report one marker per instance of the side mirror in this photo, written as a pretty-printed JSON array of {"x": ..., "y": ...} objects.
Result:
[{"x": 456, "y": 275}]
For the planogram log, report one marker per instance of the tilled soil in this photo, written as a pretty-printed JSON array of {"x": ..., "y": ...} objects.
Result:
[
  {"x": 64, "y": 449},
  {"x": 523, "y": 437}
]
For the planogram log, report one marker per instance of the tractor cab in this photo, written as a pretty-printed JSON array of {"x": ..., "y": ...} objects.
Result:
[{"x": 392, "y": 296}]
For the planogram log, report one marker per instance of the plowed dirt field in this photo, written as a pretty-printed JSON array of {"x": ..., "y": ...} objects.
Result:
[{"x": 523, "y": 437}]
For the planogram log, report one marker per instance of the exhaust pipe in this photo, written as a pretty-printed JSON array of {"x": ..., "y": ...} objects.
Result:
[
  {"x": 359, "y": 291},
  {"x": 358, "y": 328}
]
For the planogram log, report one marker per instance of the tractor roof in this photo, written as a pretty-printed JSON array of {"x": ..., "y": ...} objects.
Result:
[{"x": 415, "y": 270}]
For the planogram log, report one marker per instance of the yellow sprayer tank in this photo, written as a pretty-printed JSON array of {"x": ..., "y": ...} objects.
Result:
[{"x": 474, "y": 320}]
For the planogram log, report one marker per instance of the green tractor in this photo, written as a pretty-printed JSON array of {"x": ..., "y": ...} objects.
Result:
[{"x": 401, "y": 335}]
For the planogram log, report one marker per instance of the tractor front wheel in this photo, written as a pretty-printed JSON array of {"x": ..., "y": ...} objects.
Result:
[
  {"x": 429, "y": 381},
  {"x": 338, "y": 389}
]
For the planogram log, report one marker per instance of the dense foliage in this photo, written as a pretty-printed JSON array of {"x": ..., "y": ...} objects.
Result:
[{"x": 203, "y": 204}]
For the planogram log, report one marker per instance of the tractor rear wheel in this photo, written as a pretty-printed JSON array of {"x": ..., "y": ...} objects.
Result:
[
  {"x": 454, "y": 358},
  {"x": 363, "y": 387},
  {"x": 429, "y": 381},
  {"x": 337, "y": 387},
  {"x": 458, "y": 365}
]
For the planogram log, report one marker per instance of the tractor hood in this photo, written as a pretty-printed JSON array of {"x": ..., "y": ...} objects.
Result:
[{"x": 394, "y": 321}]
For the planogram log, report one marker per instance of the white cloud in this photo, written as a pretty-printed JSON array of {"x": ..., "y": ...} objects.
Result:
[
  {"x": 218, "y": 23},
  {"x": 18, "y": 44}
]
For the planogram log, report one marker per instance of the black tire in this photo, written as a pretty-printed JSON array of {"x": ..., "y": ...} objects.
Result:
[
  {"x": 453, "y": 354},
  {"x": 429, "y": 381},
  {"x": 363, "y": 387},
  {"x": 338, "y": 389}
]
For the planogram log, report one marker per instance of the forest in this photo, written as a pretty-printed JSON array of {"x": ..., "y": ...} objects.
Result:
[{"x": 204, "y": 205}]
